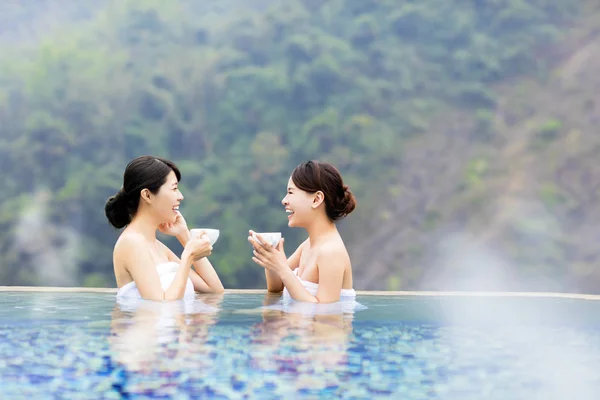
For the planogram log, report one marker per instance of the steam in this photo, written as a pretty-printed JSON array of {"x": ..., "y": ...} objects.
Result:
[
  {"x": 51, "y": 249},
  {"x": 472, "y": 260},
  {"x": 537, "y": 361},
  {"x": 465, "y": 263},
  {"x": 554, "y": 359}
]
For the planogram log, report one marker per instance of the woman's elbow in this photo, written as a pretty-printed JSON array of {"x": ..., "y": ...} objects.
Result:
[
  {"x": 275, "y": 289},
  {"x": 219, "y": 289},
  {"x": 216, "y": 288},
  {"x": 326, "y": 300}
]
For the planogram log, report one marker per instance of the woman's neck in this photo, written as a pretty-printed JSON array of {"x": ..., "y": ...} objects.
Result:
[
  {"x": 319, "y": 230},
  {"x": 144, "y": 225}
]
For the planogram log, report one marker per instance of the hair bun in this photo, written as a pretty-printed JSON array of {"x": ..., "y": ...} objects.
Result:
[
  {"x": 116, "y": 210},
  {"x": 348, "y": 203},
  {"x": 144, "y": 172},
  {"x": 314, "y": 176}
]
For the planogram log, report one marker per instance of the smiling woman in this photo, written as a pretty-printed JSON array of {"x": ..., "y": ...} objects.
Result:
[
  {"x": 144, "y": 267},
  {"x": 319, "y": 271}
]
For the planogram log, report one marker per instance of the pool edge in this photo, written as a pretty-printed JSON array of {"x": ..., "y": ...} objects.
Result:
[{"x": 358, "y": 292}]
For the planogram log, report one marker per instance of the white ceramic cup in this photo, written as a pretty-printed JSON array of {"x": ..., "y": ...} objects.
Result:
[
  {"x": 271, "y": 237},
  {"x": 213, "y": 234}
]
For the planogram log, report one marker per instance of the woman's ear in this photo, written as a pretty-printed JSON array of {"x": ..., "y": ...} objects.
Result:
[
  {"x": 318, "y": 199},
  {"x": 146, "y": 195}
]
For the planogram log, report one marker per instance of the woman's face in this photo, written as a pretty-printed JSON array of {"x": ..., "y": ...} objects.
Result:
[
  {"x": 299, "y": 205},
  {"x": 165, "y": 203}
]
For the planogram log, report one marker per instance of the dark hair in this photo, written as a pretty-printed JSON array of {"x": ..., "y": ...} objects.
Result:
[
  {"x": 145, "y": 172},
  {"x": 314, "y": 176}
]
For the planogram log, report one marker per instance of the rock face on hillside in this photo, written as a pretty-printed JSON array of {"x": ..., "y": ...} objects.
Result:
[{"x": 503, "y": 200}]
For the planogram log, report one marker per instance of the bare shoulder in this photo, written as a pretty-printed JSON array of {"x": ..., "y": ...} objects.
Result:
[
  {"x": 128, "y": 242},
  {"x": 333, "y": 253}
]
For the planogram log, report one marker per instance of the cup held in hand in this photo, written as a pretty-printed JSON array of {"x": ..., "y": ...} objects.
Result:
[
  {"x": 213, "y": 234},
  {"x": 271, "y": 237}
]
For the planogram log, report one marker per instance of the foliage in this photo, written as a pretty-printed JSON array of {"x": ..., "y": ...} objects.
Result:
[{"x": 238, "y": 99}]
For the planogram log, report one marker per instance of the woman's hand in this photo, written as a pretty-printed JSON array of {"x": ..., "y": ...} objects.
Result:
[
  {"x": 198, "y": 247},
  {"x": 267, "y": 256},
  {"x": 176, "y": 228}
]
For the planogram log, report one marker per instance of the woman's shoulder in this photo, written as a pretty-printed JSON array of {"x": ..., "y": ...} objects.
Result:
[
  {"x": 127, "y": 245},
  {"x": 127, "y": 241},
  {"x": 334, "y": 243},
  {"x": 333, "y": 249}
]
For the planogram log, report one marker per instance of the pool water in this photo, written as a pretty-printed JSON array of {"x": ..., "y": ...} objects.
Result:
[{"x": 85, "y": 345}]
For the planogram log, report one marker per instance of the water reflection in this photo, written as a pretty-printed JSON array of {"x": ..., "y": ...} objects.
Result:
[
  {"x": 164, "y": 348},
  {"x": 307, "y": 349},
  {"x": 162, "y": 336}
]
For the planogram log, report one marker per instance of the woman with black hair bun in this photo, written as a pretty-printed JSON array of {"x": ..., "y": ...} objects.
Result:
[{"x": 144, "y": 267}]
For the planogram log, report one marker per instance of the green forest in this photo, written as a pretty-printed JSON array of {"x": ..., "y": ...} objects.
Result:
[{"x": 464, "y": 128}]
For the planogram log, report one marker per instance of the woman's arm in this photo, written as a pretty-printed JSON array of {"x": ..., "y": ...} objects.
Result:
[
  {"x": 133, "y": 252},
  {"x": 331, "y": 265},
  {"x": 274, "y": 282},
  {"x": 204, "y": 278}
]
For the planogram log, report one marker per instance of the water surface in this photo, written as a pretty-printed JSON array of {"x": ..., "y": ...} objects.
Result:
[{"x": 85, "y": 345}]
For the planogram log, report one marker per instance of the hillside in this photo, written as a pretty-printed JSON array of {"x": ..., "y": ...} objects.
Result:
[
  {"x": 450, "y": 120},
  {"x": 505, "y": 198}
]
